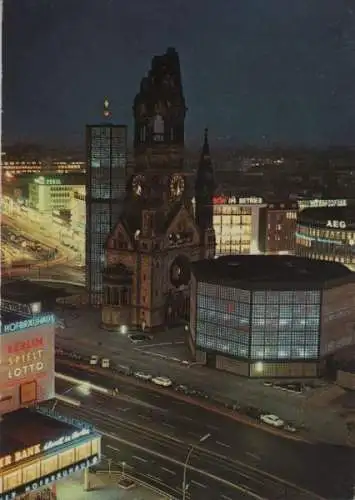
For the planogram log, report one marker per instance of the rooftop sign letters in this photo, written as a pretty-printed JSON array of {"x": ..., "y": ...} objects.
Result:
[
  {"x": 322, "y": 203},
  {"x": 233, "y": 200},
  {"x": 336, "y": 224},
  {"x": 49, "y": 181},
  {"x": 32, "y": 451},
  {"x": 41, "y": 319}
]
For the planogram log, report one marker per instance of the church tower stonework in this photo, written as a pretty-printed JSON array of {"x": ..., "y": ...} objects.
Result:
[{"x": 147, "y": 278}]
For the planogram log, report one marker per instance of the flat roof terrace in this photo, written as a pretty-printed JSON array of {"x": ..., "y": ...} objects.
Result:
[{"x": 24, "y": 428}]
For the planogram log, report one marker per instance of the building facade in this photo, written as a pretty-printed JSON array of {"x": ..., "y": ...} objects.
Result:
[
  {"x": 281, "y": 221},
  {"x": 149, "y": 251},
  {"x": 78, "y": 221},
  {"x": 38, "y": 446},
  {"x": 105, "y": 190},
  {"x": 267, "y": 316},
  {"x": 53, "y": 193},
  {"x": 236, "y": 223},
  {"x": 327, "y": 234}
]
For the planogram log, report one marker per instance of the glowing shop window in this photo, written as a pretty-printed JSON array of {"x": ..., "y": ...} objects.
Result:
[
  {"x": 12, "y": 481},
  {"x": 31, "y": 473},
  {"x": 1, "y": 485},
  {"x": 49, "y": 465},
  {"x": 66, "y": 458},
  {"x": 83, "y": 451}
]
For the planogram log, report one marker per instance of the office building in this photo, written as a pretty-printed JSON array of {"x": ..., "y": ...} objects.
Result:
[
  {"x": 236, "y": 224},
  {"x": 105, "y": 190},
  {"x": 280, "y": 227},
  {"x": 327, "y": 234},
  {"x": 53, "y": 193},
  {"x": 270, "y": 316}
]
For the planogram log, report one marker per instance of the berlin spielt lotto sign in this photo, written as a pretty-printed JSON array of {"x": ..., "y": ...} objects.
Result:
[
  {"x": 336, "y": 224},
  {"x": 43, "y": 319}
]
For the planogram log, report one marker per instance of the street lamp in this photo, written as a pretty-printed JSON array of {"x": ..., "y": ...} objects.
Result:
[{"x": 184, "y": 485}]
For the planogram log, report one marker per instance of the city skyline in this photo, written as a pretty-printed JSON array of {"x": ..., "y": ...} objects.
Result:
[{"x": 278, "y": 75}]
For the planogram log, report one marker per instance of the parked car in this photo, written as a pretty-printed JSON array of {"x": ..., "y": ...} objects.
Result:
[
  {"x": 143, "y": 376},
  {"x": 163, "y": 381},
  {"x": 94, "y": 360},
  {"x": 182, "y": 388},
  {"x": 273, "y": 420},
  {"x": 105, "y": 363},
  {"x": 290, "y": 428}
]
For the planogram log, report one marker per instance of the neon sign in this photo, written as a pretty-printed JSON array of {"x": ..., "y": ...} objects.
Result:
[
  {"x": 44, "y": 319},
  {"x": 66, "y": 439},
  {"x": 233, "y": 200},
  {"x": 336, "y": 224}
]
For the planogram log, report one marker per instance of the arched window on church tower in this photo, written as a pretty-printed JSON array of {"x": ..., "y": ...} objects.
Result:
[{"x": 158, "y": 128}]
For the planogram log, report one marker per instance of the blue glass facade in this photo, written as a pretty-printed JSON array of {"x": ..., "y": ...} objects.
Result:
[
  {"x": 105, "y": 191},
  {"x": 258, "y": 325},
  {"x": 285, "y": 325},
  {"x": 223, "y": 319}
]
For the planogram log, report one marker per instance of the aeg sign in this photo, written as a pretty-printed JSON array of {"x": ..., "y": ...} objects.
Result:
[{"x": 336, "y": 224}]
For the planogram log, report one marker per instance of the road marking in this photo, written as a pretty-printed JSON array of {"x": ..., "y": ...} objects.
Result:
[
  {"x": 188, "y": 418},
  {"x": 168, "y": 470},
  {"x": 168, "y": 425},
  {"x": 226, "y": 498},
  {"x": 143, "y": 417},
  {"x": 223, "y": 444},
  {"x": 124, "y": 409},
  {"x": 198, "y": 484},
  {"x": 112, "y": 447},
  {"x": 253, "y": 455},
  {"x": 213, "y": 427},
  {"x": 140, "y": 459}
]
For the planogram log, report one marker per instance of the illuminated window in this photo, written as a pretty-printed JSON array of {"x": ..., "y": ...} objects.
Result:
[
  {"x": 49, "y": 465},
  {"x": 66, "y": 458},
  {"x": 12, "y": 481},
  {"x": 83, "y": 451},
  {"x": 31, "y": 473}
]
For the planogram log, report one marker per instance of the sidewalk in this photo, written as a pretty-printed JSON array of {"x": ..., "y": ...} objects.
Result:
[{"x": 102, "y": 488}]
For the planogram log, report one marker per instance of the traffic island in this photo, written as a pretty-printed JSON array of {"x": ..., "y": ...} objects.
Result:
[{"x": 125, "y": 483}]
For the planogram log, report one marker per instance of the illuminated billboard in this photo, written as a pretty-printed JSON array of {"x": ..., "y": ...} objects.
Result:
[{"x": 26, "y": 363}]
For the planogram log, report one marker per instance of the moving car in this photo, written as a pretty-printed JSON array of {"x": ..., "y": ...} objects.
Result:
[
  {"x": 143, "y": 376},
  {"x": 273, "y": 420},
  {"x": 94, "y": 360},
  {"x": 163, "y": 381}
]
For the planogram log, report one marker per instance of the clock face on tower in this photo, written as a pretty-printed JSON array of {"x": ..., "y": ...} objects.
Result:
[
  {"x": 138, "y": 185},
  {"x": 176, "y": 186}
]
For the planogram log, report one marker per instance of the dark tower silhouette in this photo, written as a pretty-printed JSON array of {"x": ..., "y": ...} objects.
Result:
[{"x": 204, "y": 191}]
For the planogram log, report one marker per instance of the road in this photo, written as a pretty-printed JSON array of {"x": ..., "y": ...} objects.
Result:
[
  {"x": 249, "y": 449},
  {"x": 58, "y": 266},
  {"x": 83, "y": 334},
  {"x": 142, "y": 435}
]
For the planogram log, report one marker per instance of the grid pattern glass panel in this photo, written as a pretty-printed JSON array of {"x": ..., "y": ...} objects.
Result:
[
  {"x": 105, "y": 191},
  {"x": 285, "y": 324},
  {"x": 223, "y": 319}
]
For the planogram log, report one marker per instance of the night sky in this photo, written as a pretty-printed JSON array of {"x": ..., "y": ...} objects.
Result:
[{"x": 256, "y": 72}]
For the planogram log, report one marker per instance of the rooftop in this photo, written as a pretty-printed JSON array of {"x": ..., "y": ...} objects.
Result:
[
  {"x": 324, "y": 214},
  {"x": 273, "y": 271},
  {"x": 24, "y": 428}
]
